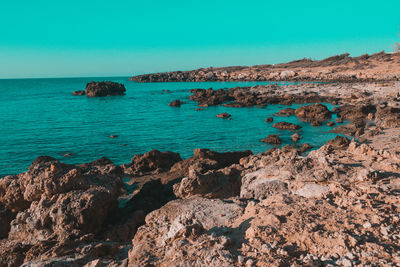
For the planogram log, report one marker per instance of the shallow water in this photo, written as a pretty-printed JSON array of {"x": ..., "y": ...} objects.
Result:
[{"x": 42, "y": 117}]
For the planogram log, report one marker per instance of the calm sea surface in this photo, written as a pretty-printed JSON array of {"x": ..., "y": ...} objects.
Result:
[{"x": 42, "y": 117}]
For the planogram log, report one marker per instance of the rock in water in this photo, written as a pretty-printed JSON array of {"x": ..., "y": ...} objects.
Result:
[
  {"x": 316, "y": 112},
  {"x": 79, "y": 92},
  {"x": 176, "y": 103},
  {"x": 296, "y": 137},
  {"x": 94, "y": 89},
  {"x": 272, "y": 139},
  {"x": 269, "y": 119},
  {"x": 224, "y": 115},
  {"x": 286, "y": 126}
]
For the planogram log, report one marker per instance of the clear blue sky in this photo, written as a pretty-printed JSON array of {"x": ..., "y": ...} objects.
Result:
[{"x": 48, "y": 38}]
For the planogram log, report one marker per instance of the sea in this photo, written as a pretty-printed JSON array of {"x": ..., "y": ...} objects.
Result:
[{"x": 41, "y": 117}]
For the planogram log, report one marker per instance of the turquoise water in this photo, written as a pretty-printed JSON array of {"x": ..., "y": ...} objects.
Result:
[{"x": 42, "y": 117}]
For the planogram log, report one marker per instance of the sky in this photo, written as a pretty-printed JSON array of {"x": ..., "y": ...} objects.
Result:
[{"x": 86, "y": 38}]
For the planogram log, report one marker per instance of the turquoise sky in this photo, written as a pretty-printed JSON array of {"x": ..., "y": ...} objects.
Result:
[{"x": 47, "y": 38}]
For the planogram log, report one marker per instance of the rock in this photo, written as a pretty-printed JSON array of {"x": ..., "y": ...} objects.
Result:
[
  {"x": 340, "y": 142},
  {"x": 205, "y": 160},
  {"x": 305, "y": 148},
  {"x": 153, "y": 161},
  {"x": 176, "y": 103},
  {"x": 339, "y": 120},
  {"x": 224, "y": 115},
  {"x": 316, "y": 112},
  {"x": 269, "y": 119},
  {"x": 354, "y": 112},
  {"x": 286, "y": 126},
  {"x": 6, "y": 216},
  {"x": 97, "y": 89},
  {"x": 296, "y": 137},
  {"x": 113, "y": 136},
  {"x": 79, "y": 92},
  {"x": 331, "y": 123},
  {"x": 224, "y": 183},
  {"x": 316, "y": 123},
  {"x": 195, "y": 219},
  {"x": 61, "y": 200},
  {"x": 286, "y": 112},
  {"x": 312, "y": 190},
  {"x": 272, "y": 139}
]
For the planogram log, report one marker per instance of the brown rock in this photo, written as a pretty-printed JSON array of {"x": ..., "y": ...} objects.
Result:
[
  {"x": 96, "y": 89},
  {"x": 304, "y": 148},
  {"x": 153, "y": 161},
  {"x": 224, "y": 115},
  {"x": 79, "y": 92},
  {"x": 272, "y": 139},
  {"x": 176, "y": 103},
  {"x": 331, "y": 123},
  {"x": 296, "y": 137},
  {"x": 286, "y": 126},
  {"x": 316, "y": 112},
  {"x": 340, "y": 142},
  {"x": 269, "y": 119},
  {"x": 6, "y": 216},
  {"x": 286, "y": 112}
]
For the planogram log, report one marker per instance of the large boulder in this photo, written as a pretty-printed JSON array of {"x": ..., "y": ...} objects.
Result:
[
  {"x": 316, "y": 112},
  {"x": 339, "y": 142},
  {"x": 104, "y": 89},
  {"x": 57, "y": 201}
]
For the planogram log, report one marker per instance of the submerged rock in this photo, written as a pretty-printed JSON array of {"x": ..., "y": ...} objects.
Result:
[{"x": 94, "y": 89}]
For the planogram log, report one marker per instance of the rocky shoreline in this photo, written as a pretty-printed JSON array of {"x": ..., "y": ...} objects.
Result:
[
  {"x": 341, "y": 68},
  {"x": 337, "y": 206}
]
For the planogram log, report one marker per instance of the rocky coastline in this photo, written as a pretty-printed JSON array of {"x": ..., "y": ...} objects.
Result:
[
  {"x": 341, "y": 68},
  {"x": 338, "y": 205}
]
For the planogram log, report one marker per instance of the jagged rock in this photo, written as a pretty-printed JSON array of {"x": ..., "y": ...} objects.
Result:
[
  {"x": 316, "y": 112},
  {"x": 331, "y": 123},
  {"x": 340, "y": 142},
  {"x": 61, "y": 200},
  {"x": 388, "y": 117},
  {"x": 203, "y": 161},
  {"x": 153, "y": 161},
  {"x": 224, "y": 115},
  {"x": 223, "y": 183},
  {"x": 272, "y": 139},
  {"x": 286, "y": 126},
  {"x": 104, "y": 89}
]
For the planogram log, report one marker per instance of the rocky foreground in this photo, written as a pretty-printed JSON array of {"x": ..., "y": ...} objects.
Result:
[
  {"x": 341, "y": 68},
  {"x": 337, "y": 206}
]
